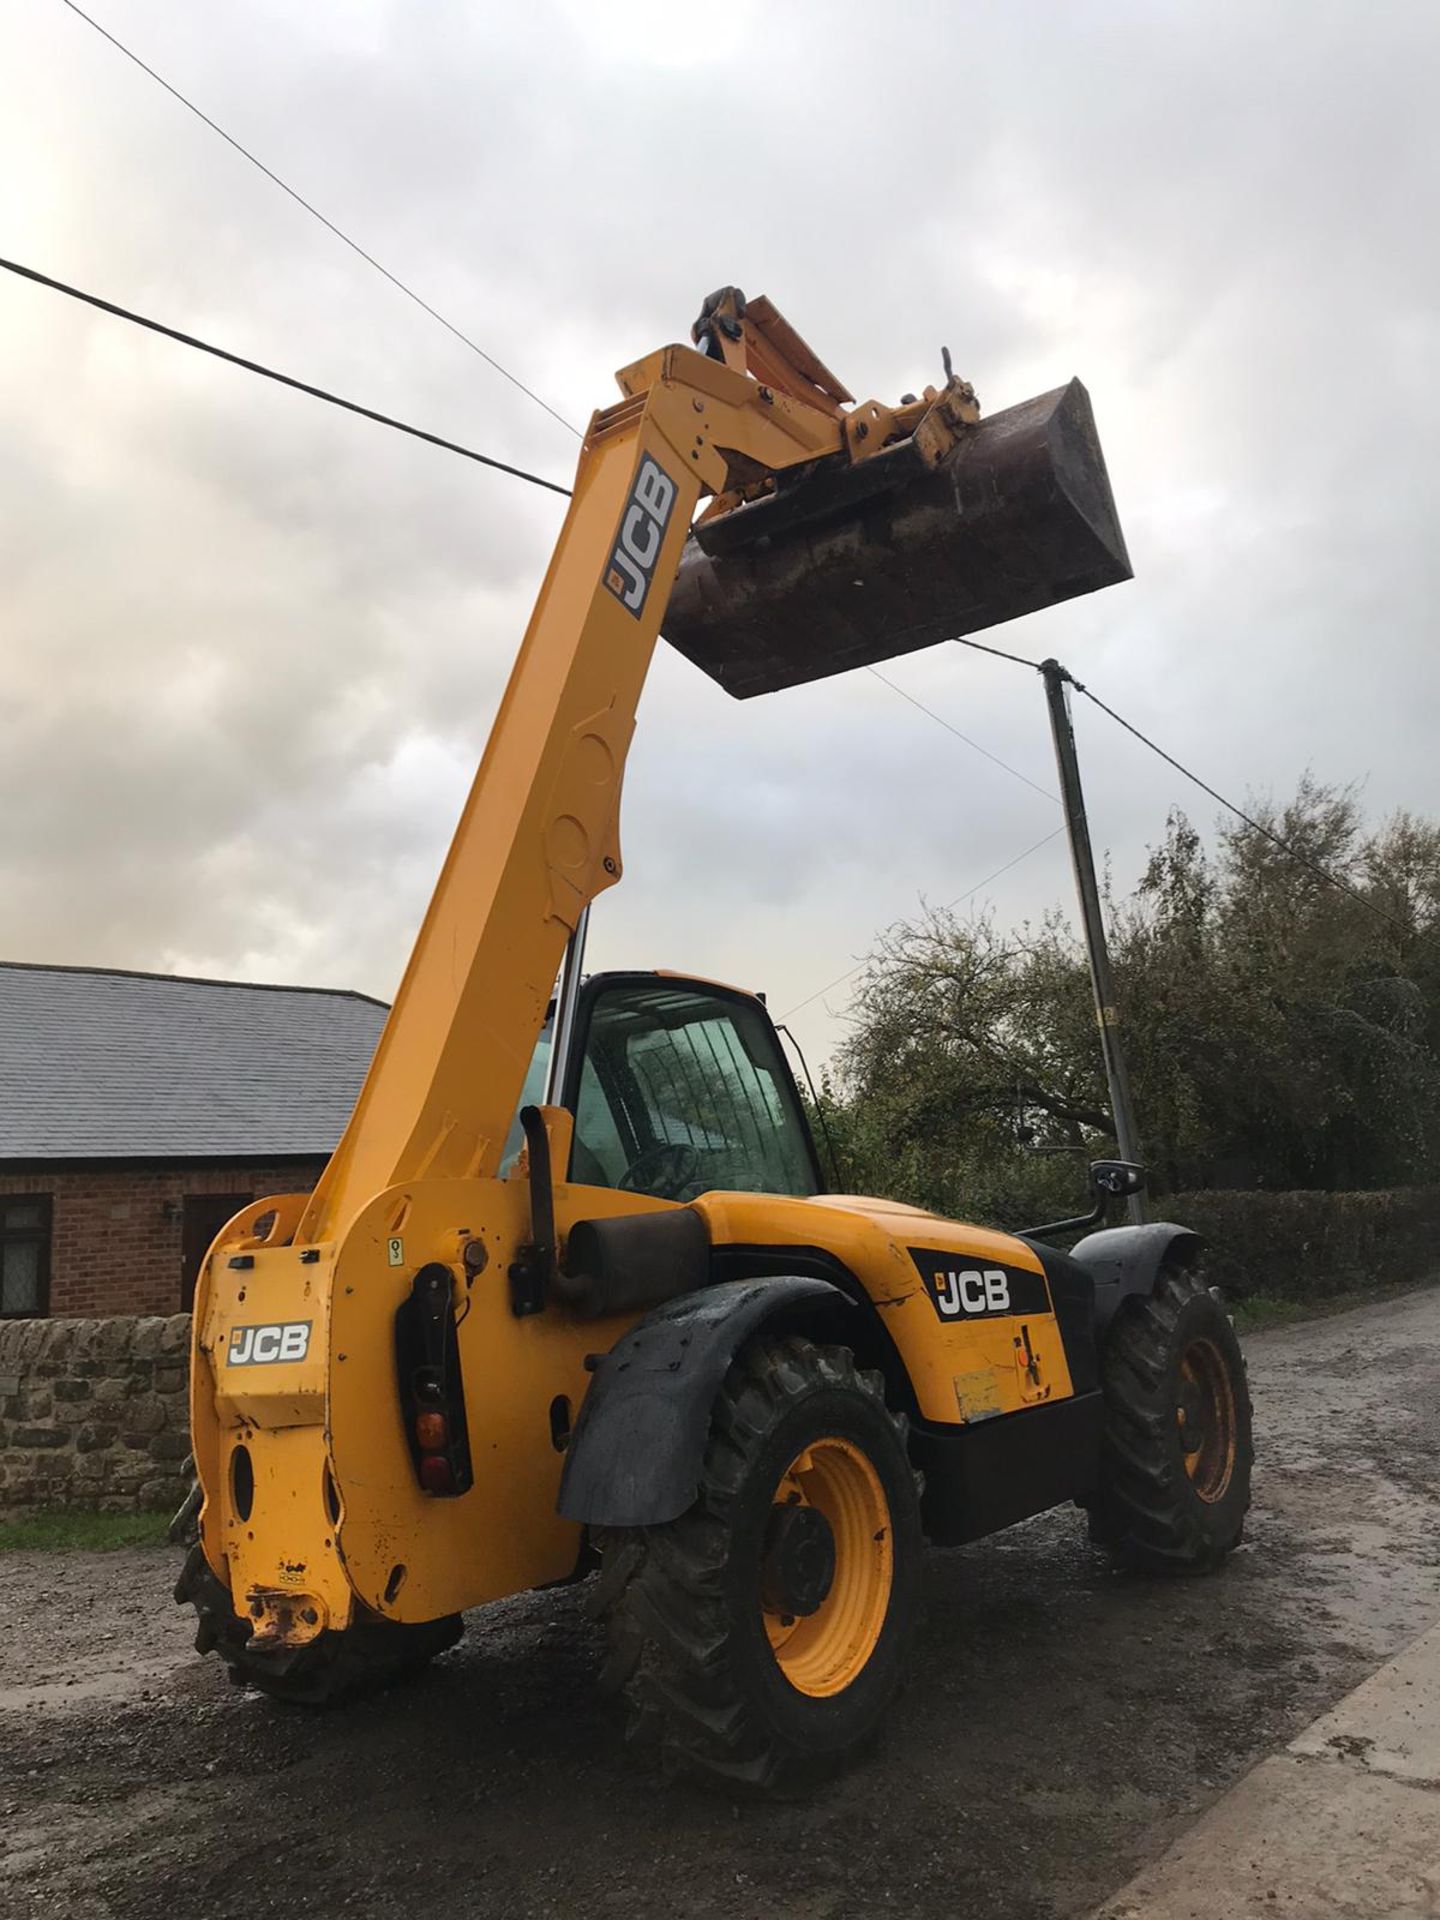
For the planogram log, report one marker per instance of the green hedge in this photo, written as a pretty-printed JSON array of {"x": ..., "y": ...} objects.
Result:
[{"x": 1308, "y": 1246}]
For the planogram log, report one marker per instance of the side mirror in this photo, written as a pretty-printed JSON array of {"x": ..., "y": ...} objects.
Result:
[
  {"x": 1109, "y": 1180},
  {"x": 1116, "y": 1179}
]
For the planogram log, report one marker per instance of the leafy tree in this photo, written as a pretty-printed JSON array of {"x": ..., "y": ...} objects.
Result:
[{"x": 1280, "y": 1030}]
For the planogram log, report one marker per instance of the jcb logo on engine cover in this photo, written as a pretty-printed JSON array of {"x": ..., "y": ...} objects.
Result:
[
  {"x": 961, "y": 1292},
  {"x": 641, "y": 535},
  {"x": 264, "y": 1346}
]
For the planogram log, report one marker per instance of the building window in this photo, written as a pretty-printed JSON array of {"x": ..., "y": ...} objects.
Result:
[{"x": 24, "y": 1255}]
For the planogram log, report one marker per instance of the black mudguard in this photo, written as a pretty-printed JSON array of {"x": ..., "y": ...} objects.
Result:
[
  {"x": 635, "y": 1457},
  {"x": 1128, "y": 1260}
]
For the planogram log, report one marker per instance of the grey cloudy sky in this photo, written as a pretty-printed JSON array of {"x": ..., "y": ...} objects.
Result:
[{"x": 251, "y": 647}]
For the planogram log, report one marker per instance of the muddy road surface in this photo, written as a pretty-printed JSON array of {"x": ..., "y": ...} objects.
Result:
[{"x": 1063, "y": 1723}]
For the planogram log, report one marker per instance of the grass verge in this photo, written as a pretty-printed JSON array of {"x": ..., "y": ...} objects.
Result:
[
  {"x": 1259, "y": 1311},
  {"x": 67, "y": 1528}
]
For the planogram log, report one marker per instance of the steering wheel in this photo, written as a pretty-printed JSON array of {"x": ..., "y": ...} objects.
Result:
[{"x": 661, "y": 1171}]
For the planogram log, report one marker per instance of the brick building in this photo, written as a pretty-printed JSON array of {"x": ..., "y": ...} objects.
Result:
[{"x": 138, "y": 1111}]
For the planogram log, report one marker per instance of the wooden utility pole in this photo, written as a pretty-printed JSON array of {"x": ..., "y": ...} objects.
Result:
[{"x": 1082, "y": 858}]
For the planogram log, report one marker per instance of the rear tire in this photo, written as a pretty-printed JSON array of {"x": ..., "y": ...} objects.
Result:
[
  {"x": 336, "y": 1666},
  {"x": 722, "y": 1676},
  {"x": 1178, "y": 1448}
]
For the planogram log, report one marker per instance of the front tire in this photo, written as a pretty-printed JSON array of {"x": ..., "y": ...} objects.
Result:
[
  {"x": 762, "y": 1636},
  {"x": 1178, "y": 1448}
]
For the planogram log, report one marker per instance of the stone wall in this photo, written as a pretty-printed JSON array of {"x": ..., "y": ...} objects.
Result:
[{"x": 94, "y": 1413}]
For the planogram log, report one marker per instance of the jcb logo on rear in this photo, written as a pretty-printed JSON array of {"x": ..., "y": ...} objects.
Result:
[
  {"x": 264, "y": 1346},
  {"x": 642, "y": 533}
]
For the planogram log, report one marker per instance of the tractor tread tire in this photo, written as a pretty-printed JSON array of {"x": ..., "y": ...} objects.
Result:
[
  {"x": 337, "y": 1666},
  {"x": 1148, "y": 1511},
  {"x": 700, "y": 1695}
]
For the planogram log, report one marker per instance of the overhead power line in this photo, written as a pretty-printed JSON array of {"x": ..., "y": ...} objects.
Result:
[
  {"x": 499, "y": 466},
  {"x": 325, "y": 221},
  {"x": 282, "y": 379},
  {"x": 979, "y": 646},
  {"x": 1277, "y": 840},
  {"x": 434, "y": 439},
  {"x": 1287, "y": 847},
  {"x": 940, "y": 721},
  {"x": 948, "y": 907}
]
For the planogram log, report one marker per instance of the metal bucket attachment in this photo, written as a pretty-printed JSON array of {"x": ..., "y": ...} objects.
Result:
[{"x": 844, "y": 565}]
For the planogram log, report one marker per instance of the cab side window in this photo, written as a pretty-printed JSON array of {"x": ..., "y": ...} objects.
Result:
[
  {"x": 601, "y": 1155},
  {"x": 531, "y": 1096}
]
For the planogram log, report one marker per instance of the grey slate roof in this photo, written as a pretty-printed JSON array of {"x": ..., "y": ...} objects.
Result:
[{"x": 100, "y": 1065}]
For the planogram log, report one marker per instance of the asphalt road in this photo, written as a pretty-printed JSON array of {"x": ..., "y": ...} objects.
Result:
[{"x": 1064, "y": 1725}]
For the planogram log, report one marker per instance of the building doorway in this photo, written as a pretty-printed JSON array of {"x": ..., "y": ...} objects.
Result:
[{"x": 204, "y": 1215}]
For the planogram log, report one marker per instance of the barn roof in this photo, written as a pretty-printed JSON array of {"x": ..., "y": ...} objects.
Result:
[{"x": 102, "y": 1065}]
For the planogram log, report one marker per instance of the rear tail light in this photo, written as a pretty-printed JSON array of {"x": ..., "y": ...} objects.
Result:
[
  {"x": 435, "y": 1474},
  {"x": 432, "y": 1391}
]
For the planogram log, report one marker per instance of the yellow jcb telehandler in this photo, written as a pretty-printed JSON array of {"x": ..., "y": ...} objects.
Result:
[{"x": 571, "y": 1290}]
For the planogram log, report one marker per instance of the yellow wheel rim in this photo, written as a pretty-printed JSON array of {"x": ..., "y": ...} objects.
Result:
[
  {"x": 1205, "y": 1414},
  {"x": 825, "y": 1651}
]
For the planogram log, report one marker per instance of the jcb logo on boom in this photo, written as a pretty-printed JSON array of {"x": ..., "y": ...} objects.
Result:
[
  {"x": 265, "y": 1346},
  {"x": 642, "y": 533}
]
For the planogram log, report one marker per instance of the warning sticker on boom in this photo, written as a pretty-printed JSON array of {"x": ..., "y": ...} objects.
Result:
[{"x": 642, "y": 534}]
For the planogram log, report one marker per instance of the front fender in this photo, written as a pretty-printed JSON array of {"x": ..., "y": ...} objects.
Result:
[
  {"x": 636, "y": 1454},
  {"x": 1129, "y": 1260}
]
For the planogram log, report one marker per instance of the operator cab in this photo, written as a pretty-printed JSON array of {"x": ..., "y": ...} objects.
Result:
[{"x": 678, "y": 1087}]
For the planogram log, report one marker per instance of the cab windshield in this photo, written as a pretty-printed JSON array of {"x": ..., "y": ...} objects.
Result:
[{"x": 682, "y": 1091}]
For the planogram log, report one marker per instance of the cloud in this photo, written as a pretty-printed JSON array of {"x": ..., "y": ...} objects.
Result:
[{"x": 252, "y": 647}]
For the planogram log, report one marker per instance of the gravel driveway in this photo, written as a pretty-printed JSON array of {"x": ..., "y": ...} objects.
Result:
[{"x": 1064, "y": 1723}]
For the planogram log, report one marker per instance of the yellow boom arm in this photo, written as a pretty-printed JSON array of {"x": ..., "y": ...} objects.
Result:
[{"x": 539, "y": 836}]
